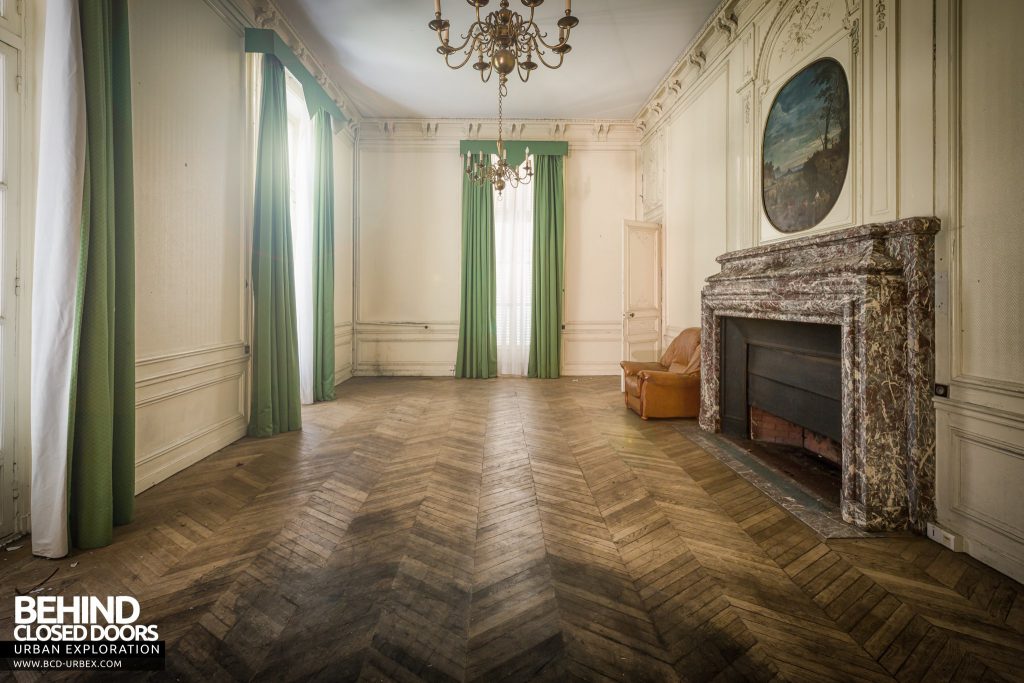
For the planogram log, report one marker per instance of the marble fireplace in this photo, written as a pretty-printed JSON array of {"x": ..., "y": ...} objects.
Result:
[{"x": 875, "y": 285}]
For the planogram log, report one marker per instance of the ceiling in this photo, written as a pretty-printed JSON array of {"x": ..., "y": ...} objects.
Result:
[{"x": 383, "y": 55}]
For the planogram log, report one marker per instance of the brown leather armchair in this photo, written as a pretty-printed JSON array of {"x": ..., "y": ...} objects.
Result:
[{"x": 670, "y": 387}]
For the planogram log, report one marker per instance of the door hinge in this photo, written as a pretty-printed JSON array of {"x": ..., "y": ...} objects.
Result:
[
  {"x": 17, "y": 286},
  {"x": 19, "y": 7},
  {"x": 17, "y": 83},
  {"x": 247, "y": 349}
]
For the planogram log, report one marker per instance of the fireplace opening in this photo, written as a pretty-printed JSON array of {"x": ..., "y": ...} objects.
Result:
[{"x": 781, "y": 397}]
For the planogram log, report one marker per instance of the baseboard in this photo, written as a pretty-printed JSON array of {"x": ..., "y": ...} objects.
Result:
[
  {"x": 582, "y": 369},
  {"x": 188, "y": 452},
  {"x": 1011, "y": 566},
  {"x": 405, "y": 369}
]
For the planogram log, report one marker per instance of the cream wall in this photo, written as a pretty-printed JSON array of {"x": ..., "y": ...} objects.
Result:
[
  {"x": 192, "y": 187},
  {"x": 193, "y": 122},
  {"x": 193, "y": 154},
  {"x": 408, "y": 243},
  {"x": 928, "y": 138},
  {"x": 695, "y": 207},
  {"x": 980, "y": 284}
]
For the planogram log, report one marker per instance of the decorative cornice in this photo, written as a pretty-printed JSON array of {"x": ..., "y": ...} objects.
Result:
[
  {"x": 854, "y": 25},
  {"x": 727, "y": 23},
  {"x": 268, "y": 15},
  {"x": 614, "y": 133},
  {"x": 723, "y": 21}
]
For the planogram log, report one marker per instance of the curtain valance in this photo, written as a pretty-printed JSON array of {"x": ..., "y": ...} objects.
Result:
[
  {"x": 516, "y": 148},
  {"x": 266, "y": 41}
]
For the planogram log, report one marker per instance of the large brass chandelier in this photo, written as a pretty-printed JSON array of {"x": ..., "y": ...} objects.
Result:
[
  {"x": 499, "y": 174},
  {"x": 504, "y": 40}
]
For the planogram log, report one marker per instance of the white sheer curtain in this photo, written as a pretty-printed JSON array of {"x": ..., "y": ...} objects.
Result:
[
  {"x": 300, "y": 169},
  {"x": 513, "y": 246}
]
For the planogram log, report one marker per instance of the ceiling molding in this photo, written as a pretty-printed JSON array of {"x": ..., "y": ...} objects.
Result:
[
  {"x": 617, "y": 134},
  {"x": 718, "y": 32},
  {"x": 386, "y": 57},
  {"x": 266, "y": 14}
]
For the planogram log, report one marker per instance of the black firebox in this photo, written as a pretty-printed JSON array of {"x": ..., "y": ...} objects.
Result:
[{"x": 789, "y": 369}]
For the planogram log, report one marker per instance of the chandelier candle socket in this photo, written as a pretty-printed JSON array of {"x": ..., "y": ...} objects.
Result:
[{"x": 504, "y": 40}]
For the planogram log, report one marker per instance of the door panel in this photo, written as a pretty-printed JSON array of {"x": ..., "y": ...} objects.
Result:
[{"x": 641, "y": 296}]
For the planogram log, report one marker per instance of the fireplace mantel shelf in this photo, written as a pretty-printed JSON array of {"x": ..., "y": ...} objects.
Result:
[{"x": 877, "y": 282}]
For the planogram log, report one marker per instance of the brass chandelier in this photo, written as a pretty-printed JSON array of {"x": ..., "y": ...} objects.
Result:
[
  {"x": 501, "y": 173},
  {"x": 504, "y": 40}
]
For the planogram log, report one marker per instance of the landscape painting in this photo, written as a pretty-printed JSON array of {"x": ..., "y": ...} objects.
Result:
[{"x": 807, "y": 147}]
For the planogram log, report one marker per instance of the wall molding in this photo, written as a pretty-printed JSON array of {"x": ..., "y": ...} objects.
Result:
[
  {"x": 380, "y": 133},
  {"x": 188, "y": 451}
]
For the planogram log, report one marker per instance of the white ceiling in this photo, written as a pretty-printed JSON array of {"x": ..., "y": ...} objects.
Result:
[{"x": 383, "y": 55}]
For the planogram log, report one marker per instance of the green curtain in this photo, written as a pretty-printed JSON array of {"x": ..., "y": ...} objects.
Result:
[
  {"x": 548, "y": 266},
  {"x": 102, "y": 472},
  {"x": 478, "y": 333},
  {"x": 323, "y": 258},
  {"x": 275, "y": 345}
]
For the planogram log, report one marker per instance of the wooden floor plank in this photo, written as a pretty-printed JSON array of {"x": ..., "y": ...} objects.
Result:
[{"x": 516, "y": 530}]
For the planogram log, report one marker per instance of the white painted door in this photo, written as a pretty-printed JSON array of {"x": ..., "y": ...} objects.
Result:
[
  {"x": 8, "y": 281},
  {"x": 641, "y": 291}
]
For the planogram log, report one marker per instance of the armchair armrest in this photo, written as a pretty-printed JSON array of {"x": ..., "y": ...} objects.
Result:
[
  {"x": 669, "y": 394},
  {"x": 635, "y": 368}
]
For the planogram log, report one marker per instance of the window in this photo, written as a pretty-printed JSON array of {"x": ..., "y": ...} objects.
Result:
[
  {"x": 8, "y": 281},
  {"x": 300, "y": 169},
  {"x": 513, "y": 247}
]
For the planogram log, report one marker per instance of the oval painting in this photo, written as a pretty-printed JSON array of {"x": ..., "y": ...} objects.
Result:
[{"x": 807, "y": 147}]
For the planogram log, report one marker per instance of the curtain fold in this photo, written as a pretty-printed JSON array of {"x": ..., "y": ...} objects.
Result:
[
  {"x": 56, "y": 266},
  {"x": 101, "y": 485},
  {"x": 477, "y": 355},
  {"x": 275, "y": 364},
  {"x": 548, "y": 266},
  {"x": 323, "y": 258}
]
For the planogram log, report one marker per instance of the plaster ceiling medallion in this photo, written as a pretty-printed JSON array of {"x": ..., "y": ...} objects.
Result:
[{"x": 504, "y": 40}]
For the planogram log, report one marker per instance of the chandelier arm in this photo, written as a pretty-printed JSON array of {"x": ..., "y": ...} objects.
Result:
[
  {"x": 541, "y": 35},
  {"x": 467, "y": 37},
  {"x": 561, "y": 58},
  {"x": 447, "y": 60}
]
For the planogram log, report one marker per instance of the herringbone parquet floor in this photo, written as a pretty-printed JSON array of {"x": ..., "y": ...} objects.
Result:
[{"x": 450, "y": 530}]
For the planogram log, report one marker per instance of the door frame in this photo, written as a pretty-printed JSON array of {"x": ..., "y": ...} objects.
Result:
[{"x": 659, "y": 228}]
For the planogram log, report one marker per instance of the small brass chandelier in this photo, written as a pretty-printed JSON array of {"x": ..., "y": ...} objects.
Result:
[
  {"x": 499, "y": 174},
  {"x": 504, "y": 40}
]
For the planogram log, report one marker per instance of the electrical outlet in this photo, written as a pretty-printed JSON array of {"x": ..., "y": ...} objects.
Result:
[{"x": 943, "y": 537}]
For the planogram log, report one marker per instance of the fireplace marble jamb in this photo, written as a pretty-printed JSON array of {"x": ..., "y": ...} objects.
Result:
[{"x": 876, "y": 282}]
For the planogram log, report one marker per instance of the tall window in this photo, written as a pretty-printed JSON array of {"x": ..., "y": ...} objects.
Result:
[
  {"x": 9, "y": 138},
  {"x": 300, "y": 169},
  {"x": 513, "y": 246}
]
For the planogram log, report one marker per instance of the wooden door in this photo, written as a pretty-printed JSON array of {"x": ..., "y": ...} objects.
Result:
[{"x": 641, "y": 291}]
